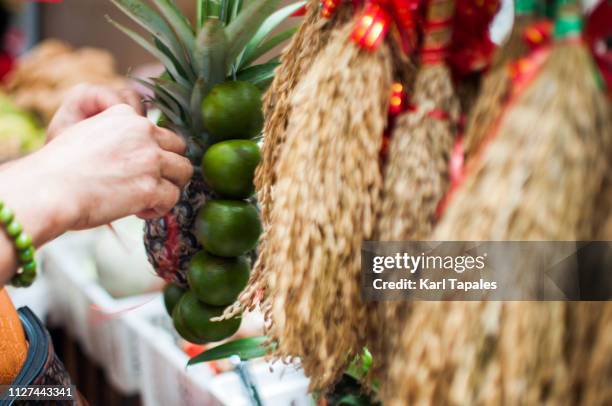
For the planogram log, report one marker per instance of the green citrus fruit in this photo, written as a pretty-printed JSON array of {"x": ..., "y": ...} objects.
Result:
[
  {"x": 192, "y": 321},
  {"x": 232, "y": 110},
  {"x": 172, "y": 294},
  {"x": 179, "y": 326},
  {"x": 217, "y": 281},
  {"x": 229, "y": 167},
  {"x": 228, "y": 228}
]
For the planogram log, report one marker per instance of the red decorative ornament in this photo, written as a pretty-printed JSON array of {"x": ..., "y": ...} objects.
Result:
[
  {"x": 598, "y": 35},
  {"x": 328, "y": 7},
  {"x": 538, "y": 34},
  {"x": 300, "y": 12},
  {"x": 471, "y": 48},
  {"x": 372, "y": 26},
  {"x": 397, "y": 104}
]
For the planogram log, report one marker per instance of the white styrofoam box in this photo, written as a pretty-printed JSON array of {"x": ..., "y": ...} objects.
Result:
[
  {"x": 165, "y": 379},
  {"x": 90, "y": 314}
]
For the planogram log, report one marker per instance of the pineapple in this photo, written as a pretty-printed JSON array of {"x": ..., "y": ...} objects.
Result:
[{"x": 229, "y": 36}]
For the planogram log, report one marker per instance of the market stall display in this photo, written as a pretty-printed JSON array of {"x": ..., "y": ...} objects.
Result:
[
  {"x": 381, "y": 120},
  {"x": 523, "y": 166}
]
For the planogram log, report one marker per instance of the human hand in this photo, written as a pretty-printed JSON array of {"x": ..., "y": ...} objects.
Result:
[
  {"x": 85, "y": 101},
  {"x": 114, "y": 164}
]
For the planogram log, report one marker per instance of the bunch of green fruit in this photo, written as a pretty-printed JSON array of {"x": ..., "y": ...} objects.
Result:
[
  {"x": 227, "y": 227},
  {"x": 211, "y": 95}
]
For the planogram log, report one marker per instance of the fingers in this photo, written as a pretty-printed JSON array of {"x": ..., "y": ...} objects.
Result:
[
  {"x": 86, "y": 101},
  {"x": 176, "y": 168},
  {"x": 166, "y": 196},
  {"x": 132, "y": 99},
  {"x": 169, "y": 141},
  {"x": 95, "y": 99}
]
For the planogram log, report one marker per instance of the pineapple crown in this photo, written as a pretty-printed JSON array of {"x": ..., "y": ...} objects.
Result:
[{"x": 228, "y": 38}]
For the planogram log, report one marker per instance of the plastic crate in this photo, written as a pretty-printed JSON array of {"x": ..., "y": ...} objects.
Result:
[
  {"x": 166, "y": 379},
  {"x": 89, "y": 313}
]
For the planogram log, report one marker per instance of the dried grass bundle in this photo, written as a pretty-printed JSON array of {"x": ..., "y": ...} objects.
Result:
[
  {"x": 325, "y": 199},
  {"x": 592, "y": 368},
  {"x": 551, "y": 144},
  {"x": 296, "y": 59},
  {"x": 416, "y": 176},
  {"x": 415, "y": 179},
  {"x": 495, "y": 86},
  {"x": 298, "y": 56},
  {"x": 538, "y": 179}
]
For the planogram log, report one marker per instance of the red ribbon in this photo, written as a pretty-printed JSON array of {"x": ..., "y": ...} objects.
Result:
[
  {"x": 328, "y": 7},
  {"x": 377, "y": 18}
]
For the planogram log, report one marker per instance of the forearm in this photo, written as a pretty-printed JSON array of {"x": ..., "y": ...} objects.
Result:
[{"x": 26, "y": 188}]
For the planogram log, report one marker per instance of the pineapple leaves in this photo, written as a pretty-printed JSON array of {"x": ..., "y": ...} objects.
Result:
[
  {"x": 147, "y": 18},
  {"x": 256, "y": 47},
  {"x": 179, "y": 93},
  {"x": 208, "y": 9},
  {"x": 252, "y": 54},
  {"x": 210, "y": 53},
  {"x": 259, "y": 75},
  {"x": 240, "y": 31},
  {"x": 178, "y": 21},
  {"x": 197, "y": 96},
  {"x": 168, "y": 63},
  {"x": 164, "y": 102},
  {"x": 245, "y": 348}
]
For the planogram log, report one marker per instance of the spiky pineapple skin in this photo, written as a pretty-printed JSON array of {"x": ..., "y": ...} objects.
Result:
[{"x": 169, "y": 241}]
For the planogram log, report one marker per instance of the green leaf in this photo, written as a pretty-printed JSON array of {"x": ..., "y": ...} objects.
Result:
[
  {"x": 252, "y": 54},
  {"x": 180, "y": 93},
  {"x": 267, "y": 27},
  {"x": 161, "y": 96},
  {"x": 147, "y": 18},
  {"x": 258, "y": 74},
  {"x": 360, "y": 366},
  {"x": 176, "y": 63},
  {"x": 201, "y": 14},
  {"x": 213, "y": 9},
  {"x": 245, "y": 348},
  {"x": 168, "y": 112},
  {"x": 161, "y": 56},
  {"x": 240, "y": 31},
  {"x": 355, "y": 400},
  {"x": 225, "y": 11},
  {"x": 197, "y": 95},
  {"x": 236, "y": 7},
  {"x": 178, "y": 21},
  {"x": 210, "y": 53}
]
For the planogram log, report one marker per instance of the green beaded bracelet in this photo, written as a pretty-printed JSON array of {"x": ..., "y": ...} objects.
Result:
[{"x": 23, "y": 245}]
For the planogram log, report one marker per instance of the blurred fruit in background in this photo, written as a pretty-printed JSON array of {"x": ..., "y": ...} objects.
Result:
[
  {"x": 20, "y": 132},
  {"x": 42, "y": 77}
]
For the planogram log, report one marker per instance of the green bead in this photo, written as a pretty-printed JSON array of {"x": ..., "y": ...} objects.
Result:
[
  {"x": 29, "y": 267},
  {"x": 26, "y": 255},
  {"x": 24, "y": 279},
  {"x": 14, "y": 229},
  {"x": 6, "y": 215},
  {"x": 23, "y": 241}
]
